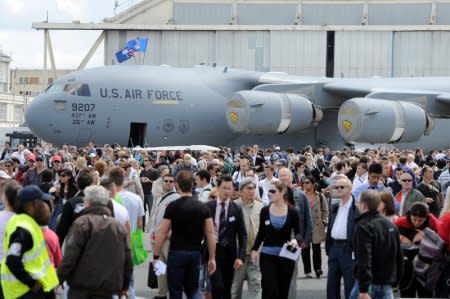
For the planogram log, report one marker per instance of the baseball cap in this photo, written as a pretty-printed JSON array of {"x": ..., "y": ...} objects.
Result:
[
  {"x": 31, "y": 157},
  {"x": 57, "y": 158},
  {"x": 40, "y": 157},
  {"x": 4, "y": 175},
  {"x": 32, "y": 192}
]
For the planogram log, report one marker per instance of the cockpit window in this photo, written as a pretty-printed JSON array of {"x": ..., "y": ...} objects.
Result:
[
  {"x": 55, "y": 88},
  {"x": 78, "y": 89},
  {"x": 83, "y": 90}
]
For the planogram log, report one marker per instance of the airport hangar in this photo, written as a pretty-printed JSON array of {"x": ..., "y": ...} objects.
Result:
[
  {"x": 339, "y": 38},
  {"x": 342, "y": 38}
]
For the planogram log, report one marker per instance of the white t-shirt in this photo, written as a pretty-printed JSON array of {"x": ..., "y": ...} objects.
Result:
[
  {"x": 120, "y": 212},
  {"x": 133, "y": 204}
]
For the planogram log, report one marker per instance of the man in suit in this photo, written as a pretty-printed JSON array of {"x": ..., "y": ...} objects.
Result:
[
  {"x": 229, "y": 226},
  {"x": 338, "y": 243}
]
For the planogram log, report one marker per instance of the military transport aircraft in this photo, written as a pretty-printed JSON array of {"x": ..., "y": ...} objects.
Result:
[{"x": 161, "y": 105}]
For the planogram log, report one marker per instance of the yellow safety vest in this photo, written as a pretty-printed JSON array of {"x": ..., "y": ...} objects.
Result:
[{"x": 36, "y": 261}]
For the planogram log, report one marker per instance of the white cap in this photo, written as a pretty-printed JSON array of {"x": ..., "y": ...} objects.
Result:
[{"x": 4, "y": 175}]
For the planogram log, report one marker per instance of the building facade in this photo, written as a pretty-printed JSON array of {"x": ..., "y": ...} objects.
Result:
[
  {"x": 348, "y": 38},
  {"x": 29, "y": 82}
]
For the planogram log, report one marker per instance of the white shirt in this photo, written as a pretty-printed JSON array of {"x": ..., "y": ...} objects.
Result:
[
  {"x": 339, "y": 230},
  {"x": 265, "y": 185},
  {"x": 134, "y": 206},
  {"x": 203, "y": 193},
  {"x": 120, "y": 212},
  {"x": 359, "y": 180}
]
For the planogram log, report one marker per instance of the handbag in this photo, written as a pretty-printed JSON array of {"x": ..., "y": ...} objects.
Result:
[
  {"x": 137, "y": 247},
  {"x": 152, "y": 279}
]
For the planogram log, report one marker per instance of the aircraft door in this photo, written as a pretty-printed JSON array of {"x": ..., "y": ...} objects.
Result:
[{"x": 137, "y": 134}]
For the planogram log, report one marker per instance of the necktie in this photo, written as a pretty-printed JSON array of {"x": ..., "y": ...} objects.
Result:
[{"x": 222, "y": 226}]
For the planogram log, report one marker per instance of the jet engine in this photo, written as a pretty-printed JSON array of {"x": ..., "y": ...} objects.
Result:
[
  {"x": 262, "y": 112},
  {"x": 382, "y": 121}
]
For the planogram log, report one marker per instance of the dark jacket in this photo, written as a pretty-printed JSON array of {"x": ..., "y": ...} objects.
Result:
[
  {"x": 378, "y": 253},
  {"x": 71, "y": 210},
  {"x": 353, "y": 214},
  {"x": 235, "y": 228},
  {"x": 270, "y": 236},
  {"x": 304, "y": 210},
  {"x": 98, "y": 255}
]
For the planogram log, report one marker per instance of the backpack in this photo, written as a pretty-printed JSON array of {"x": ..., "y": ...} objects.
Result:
[{"x": 431, "y": 261}]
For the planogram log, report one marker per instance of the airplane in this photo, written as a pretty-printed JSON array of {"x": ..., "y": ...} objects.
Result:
[{"x": 221, "y": 106}]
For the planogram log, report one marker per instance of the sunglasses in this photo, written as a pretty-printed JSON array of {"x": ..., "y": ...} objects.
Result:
[
  {"x": 406, "y": 180},
  {"x": 168, "y": 181},
  {"x": 146, "y": 160},
  {"x": 62, "y": 175},
  {"x": 339, "y": 187},
  {"x": 56, "y": 161},
  {"x": 272, "y": 191}
]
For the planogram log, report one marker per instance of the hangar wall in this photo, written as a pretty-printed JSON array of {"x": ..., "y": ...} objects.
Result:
[{"x": 356, "y": 53}]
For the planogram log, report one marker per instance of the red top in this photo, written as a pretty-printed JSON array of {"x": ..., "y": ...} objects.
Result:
[
  {"x": 444, "y": 229},
  {"x": 54, "y": 251}
]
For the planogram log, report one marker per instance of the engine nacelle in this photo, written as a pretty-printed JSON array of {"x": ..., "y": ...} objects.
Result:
[
  {"x": 382, "y": 121},
  {"x": 261, "y": 112}
]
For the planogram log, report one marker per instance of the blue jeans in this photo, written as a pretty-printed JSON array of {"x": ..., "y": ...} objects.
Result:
[
  {"x": 183, "y": 269},
  {"x": 376, "y": 291}
]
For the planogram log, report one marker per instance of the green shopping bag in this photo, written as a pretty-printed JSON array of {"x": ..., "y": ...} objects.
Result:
[{"x": 137, "y": 247}]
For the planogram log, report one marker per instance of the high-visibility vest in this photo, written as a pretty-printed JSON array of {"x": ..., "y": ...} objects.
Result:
[{"x": 36, "y": 261}]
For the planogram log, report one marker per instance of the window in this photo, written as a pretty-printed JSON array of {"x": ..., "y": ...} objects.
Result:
[
  {"x": 3, "y": 111},
  {"x": 18, "y": 113},
  {"x": 23, "y": 80},
  {"x": 33, "y": 80}
]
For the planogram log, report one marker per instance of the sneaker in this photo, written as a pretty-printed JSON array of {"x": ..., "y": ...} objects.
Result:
[{"x": 308, "y": 276}]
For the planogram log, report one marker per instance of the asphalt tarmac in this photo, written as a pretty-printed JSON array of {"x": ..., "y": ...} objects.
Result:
[{"x": 306, "y": 288}]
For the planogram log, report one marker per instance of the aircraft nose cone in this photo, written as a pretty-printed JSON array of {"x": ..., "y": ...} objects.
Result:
[{"x": 35, "y": 115}]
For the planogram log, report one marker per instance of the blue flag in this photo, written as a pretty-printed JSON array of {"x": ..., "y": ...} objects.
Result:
[
  {"x": 139, "y": 45},
  {"x": 133, "y": 46},
  {"x": 125, "y": 54}
]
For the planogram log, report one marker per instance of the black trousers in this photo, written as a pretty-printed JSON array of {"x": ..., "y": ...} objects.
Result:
[
  {"x": 276, "y": 275},
  {"x": 316, "y": 255},
  {"x": 222, "y": 279},
  {"x": 75, "y": 293}
]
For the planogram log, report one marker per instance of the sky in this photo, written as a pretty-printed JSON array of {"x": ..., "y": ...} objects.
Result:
[{"x": 25, "y": 45}]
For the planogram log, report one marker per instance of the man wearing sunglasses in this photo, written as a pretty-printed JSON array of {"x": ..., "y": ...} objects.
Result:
[
  {"x": 169, "y": 195},
  {"x": 338, "y": 243},
  {"x": 408, "y": 195}
]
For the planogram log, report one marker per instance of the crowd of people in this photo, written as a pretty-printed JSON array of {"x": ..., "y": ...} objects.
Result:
[{"x": 71, "y": 220}]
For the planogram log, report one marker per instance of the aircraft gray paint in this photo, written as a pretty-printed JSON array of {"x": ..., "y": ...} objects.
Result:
[{"x": 163, "y": 106}]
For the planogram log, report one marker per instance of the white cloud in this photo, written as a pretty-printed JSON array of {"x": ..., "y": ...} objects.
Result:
[
  {"x": 26, "y": 48},
  {"x": 15, "y": 6},
  {"x": 72, "y": 7}
]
